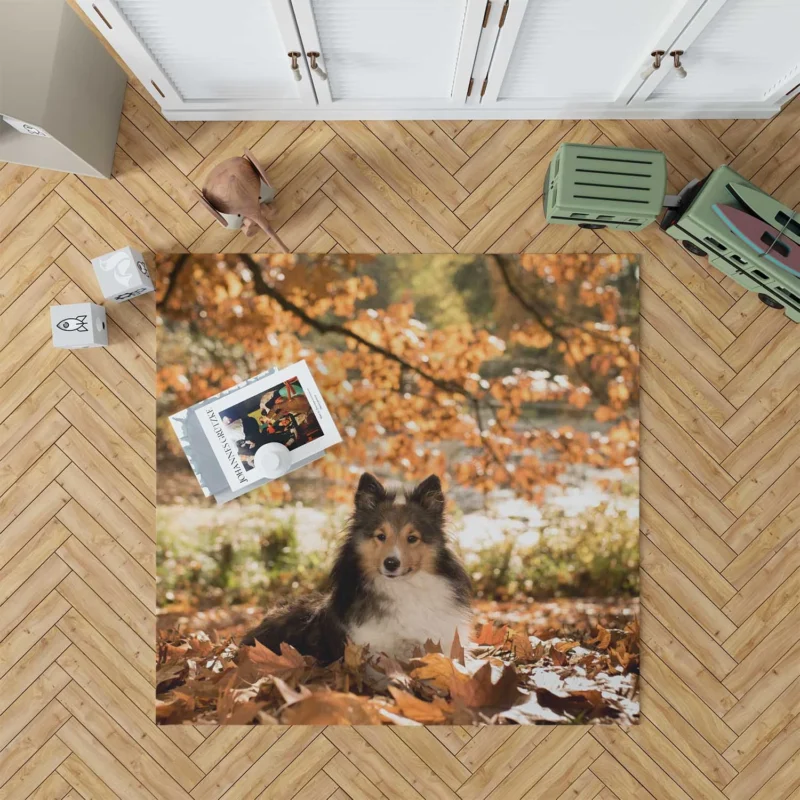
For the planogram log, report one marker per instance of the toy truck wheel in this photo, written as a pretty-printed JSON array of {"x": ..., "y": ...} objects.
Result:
[
  {"x": 693, "y": 248},
  {"x": 769, "y": 301},
  {"x": 592, "y": 226}
]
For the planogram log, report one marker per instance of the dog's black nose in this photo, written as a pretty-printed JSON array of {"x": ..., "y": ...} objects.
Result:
[{"x": 391, "y": 563}]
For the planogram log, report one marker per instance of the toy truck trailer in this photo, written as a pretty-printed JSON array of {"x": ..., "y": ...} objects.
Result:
[{"x": 610, "y": 187}]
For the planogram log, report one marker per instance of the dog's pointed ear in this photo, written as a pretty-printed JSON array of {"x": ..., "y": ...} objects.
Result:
[
  {"x": 429, "y": 494},
  {"x": 369, "y": 493}
]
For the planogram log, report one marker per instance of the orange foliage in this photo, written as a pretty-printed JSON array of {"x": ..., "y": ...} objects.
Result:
[{"x": 403, "y": 392}]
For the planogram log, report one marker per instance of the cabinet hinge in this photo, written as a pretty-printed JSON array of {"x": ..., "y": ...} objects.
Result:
[
  {"x": 503, "y": 15},
  {"x": 483, "y": 88},
  {"x": 486, "y": 13},
  {"x": 469, "y": 88}
]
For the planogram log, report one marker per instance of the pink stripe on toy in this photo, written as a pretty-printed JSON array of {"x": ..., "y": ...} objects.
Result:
[{"x": 764, "y": 239}]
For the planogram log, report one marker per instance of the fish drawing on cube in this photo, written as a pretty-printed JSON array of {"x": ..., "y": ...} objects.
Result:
[
  {"x": 122, "y": 275},
  {"x": 78, "y": 325}
]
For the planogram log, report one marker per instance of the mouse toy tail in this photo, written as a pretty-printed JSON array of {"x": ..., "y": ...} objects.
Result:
[{"x": 263, "y": 223}]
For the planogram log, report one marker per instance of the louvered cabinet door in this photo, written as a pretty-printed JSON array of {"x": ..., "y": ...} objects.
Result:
[
  {"x": 390, "y": 54},
  {"x": 204, "y": 54},
  {"x": 734, "y": 51},
  {"x": 562, "y": 54}
]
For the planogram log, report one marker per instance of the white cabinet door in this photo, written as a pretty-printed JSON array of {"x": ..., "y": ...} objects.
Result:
[
  {"x": 208, "y": 54},
  {"x": 575, "y": 54},
  {"x": 735, "y": 51},
  {"x": 391, "y": 53}
]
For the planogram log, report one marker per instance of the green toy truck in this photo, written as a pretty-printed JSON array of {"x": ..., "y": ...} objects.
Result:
[{"x": 742, "y": 230}]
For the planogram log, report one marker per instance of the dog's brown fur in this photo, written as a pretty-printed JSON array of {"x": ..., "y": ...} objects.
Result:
[{"x": 318, "y": 625}]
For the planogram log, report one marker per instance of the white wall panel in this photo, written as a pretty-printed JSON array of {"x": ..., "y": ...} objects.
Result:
[
  {"x": 748, "y": 48},
  {"x": 583, "y": 50},
  {"x": 389, "y": 49},
  {"x": 214, "y": 49}
]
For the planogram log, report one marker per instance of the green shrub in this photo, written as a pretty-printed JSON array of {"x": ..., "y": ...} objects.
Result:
[
  {"x": 257, "y": 561},
  {"x": 593, "y": 554},
  {"x": 254, "y": 561}
]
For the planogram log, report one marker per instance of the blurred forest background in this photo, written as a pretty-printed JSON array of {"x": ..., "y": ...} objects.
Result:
[{"x": 514, "y": 378}]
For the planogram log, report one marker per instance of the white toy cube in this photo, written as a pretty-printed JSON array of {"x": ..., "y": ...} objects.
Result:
[
  {"x": 122, "y": 274},
  {"x": 79, "y": 325}
]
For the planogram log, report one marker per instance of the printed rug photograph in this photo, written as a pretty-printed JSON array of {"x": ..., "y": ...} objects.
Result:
[{"x": 455, "y": 539}]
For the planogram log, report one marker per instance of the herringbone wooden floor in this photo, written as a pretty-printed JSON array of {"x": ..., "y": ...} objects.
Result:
[{"x": 720, "y": 462}]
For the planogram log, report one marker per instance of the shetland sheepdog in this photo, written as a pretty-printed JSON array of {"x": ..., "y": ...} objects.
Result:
[{"x": 394, "y": 583}]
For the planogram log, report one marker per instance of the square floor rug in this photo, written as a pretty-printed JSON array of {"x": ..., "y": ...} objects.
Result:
[{"x": 453, "y": 536}]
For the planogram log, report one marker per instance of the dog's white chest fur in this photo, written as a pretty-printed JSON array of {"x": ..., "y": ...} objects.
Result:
[{"x": 420, "y": 607}]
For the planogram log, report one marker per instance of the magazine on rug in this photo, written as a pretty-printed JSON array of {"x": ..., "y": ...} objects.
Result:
[
  {"x": 225, "y": 436},
  {"x": 285, "y": 407}
]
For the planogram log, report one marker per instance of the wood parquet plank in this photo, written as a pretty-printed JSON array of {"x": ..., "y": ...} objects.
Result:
[
  {"x": 43, "y": 721},
  {"x": 12, "y": 176},
  {"x": 720, "y": 470},
  {"x": 95, "y": 640},
  {"x": 681, "y": 734},
  {"x": 497, "y": 187},
  {"x": 431, "y": 136}
]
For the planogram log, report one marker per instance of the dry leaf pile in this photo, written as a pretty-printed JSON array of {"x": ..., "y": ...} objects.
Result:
[{"x": 505, "y": 676}]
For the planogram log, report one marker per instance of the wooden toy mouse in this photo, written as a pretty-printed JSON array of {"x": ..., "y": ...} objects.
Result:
[{"x": 233, "y": 193}]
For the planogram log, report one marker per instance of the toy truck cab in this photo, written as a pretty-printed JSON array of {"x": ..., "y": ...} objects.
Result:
[{"x": 702, "y": 231}]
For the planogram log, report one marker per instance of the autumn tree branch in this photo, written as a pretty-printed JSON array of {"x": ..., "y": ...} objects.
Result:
[
  {"x": 172, "y": 281},
  {"x": 554, "y": 330},
  {"x": 526, "y": 303},
  {"x": 264, "y": 288}
]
